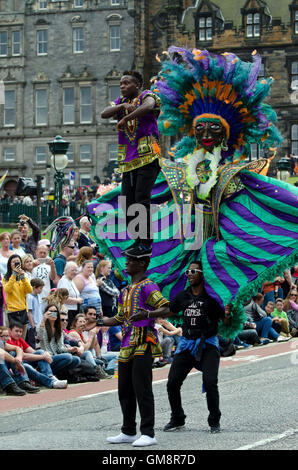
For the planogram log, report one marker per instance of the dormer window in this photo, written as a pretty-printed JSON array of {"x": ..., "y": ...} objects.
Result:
[
  {"x": 253, "y": 25},
  {"x": 205, "y": 28}
]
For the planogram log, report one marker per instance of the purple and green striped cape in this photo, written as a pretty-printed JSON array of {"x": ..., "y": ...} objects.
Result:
[{"x": 259, "y": 240}]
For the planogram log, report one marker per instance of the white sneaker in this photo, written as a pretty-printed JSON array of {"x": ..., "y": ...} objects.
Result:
[
  {"x": 282, "y": 338},
  {"x": 144, "y": 441},
  {"x": 59, "y": 384},
  {"x": 121, "y": 439}
]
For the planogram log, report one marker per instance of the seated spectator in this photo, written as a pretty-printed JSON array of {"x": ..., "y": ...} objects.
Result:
[
  {"x": 29, "y": 242},
  {"x": 49, "y": 333},
  {"x": 291, "y": 308},
  {"x": 5, "y": 252},
  {"x": 166, "y": 332},
  {"x": 108, "y": 291},
  {"x": 34, "y": 310},
  {"x": 87, "y": 287},
  {"x": 74, "y": 299},
  {"x": 16, "y": 285},
  {"x": 290, "y": 302},
  {"x": 32, "y": 358},
  {"x": 255, "y": 314},
  {"x": 104, "y": 356},
  {"x": 87, "y": 345},
  {"x": 279, "y": 316},
  {"x": 61, "y": 259},
  {"x": 15, "y": 239},
  {"x": 8, "y": 383}
]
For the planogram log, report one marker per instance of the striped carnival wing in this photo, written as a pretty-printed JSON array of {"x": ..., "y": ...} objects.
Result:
[
  {"x": 171, "y": 250},
  {"x": 259, "y": 240}
]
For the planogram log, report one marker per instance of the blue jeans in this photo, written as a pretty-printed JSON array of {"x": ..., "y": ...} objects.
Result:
[
  {"x": 18, "y": 377},
  {"x": 6, "y": 378},
  {"x": 87, "y": 355},
  {"x": 44, "y": 375},
  {"x": 264, "y": 328},
  {"x": 64, "y": 361},
  {"x": 112, "y": 358}
]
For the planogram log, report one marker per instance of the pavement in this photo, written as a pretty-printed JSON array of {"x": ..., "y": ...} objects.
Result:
[{"x": 48, "y": 397}]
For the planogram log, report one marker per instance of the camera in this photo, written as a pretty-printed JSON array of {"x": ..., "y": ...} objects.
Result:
[
  {"x": 99, "y": 320},
  {"x": 22, "y": 223}
]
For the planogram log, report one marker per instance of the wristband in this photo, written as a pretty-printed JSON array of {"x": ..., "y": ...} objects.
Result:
[
  {"x": 100, "y": 322},
  {"x": 148, "y": 314}
]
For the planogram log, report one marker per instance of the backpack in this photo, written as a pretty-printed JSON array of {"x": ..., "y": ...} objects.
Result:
[{"x": 84, "y": 372}]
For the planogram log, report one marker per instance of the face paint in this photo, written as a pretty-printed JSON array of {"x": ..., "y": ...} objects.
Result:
[{"x": 209, "y": 134}]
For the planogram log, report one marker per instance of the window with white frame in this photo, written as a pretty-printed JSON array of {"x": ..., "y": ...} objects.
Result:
[
  {"x": 294, "y": 75},
  {"x": 42, "y": 41},
  {"x": 78, "y": 40},
  {"x": 16, "y": 42},
  {"x": 41, "y": 154},
  {"x": 253, "y": 25},
  {"x": 115, "y": 2},
  {"x": 85, "y": 179},
  {"x": 42, "y": 4},
  {"x": 10, "y": 108},
  {"x": 68, "y": 105},
  {"x": 256, "y": 152},
  {"x": 3, "y": 43},
  {"x": 113, "y": 152},
  {"x": 205, "y": 28},
  {"x": 115, "y": 38},
  {"x": 85, "y": 104},
  {"x": 114, "y": 92},
  {"x": 294, "y": 140},
  {"x": 70, "y": 153},
  {"x": 85, "y": 153},
  {"x": 78, "y": 3},
  {"x": 296, "y": 22},
  {"x": 9, "y": 154},
  {"x": 41, "y": 107}
]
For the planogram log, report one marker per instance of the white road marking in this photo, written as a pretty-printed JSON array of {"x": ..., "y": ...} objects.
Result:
[{"x": 276, "y": 437}]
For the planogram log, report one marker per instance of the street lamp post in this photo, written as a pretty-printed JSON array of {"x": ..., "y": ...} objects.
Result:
[
  {"x": 284, "y": 168},
  {"x": 58, "y": 147}
]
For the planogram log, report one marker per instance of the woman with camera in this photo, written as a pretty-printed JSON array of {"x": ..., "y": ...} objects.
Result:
[
  {"x": 16, "y": 286},
  {"x": 50, "y": 335}
]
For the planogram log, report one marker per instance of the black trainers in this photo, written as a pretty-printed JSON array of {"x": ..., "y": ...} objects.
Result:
[
  {"x": 215, "y": 429},
  {"x": 13, "y": 389},
  {"x": 28, "y": 387},
  {"x": 174, "y": 426},
  {"x": 138, "y": 251}
]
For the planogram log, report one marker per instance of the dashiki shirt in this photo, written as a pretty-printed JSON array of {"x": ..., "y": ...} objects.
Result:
[
  {"x": 136, "y": 336},
  {"x": 138, "y": 144}
]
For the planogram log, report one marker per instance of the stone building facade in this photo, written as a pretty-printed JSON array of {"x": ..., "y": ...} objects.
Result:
[
  {"x": 240, "y": 26},
  {"x": 61, "y": 62}
]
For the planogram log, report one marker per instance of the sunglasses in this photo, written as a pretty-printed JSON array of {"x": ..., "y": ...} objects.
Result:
[
  {"x": 192, "y": 271},
  {"x": 64, "y": 320}
]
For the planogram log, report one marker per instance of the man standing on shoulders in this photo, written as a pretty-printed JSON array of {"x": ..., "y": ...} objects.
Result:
[
  {"x": 198, "y": 347},
  {"x": 138, "y": 151},
  {"x": 139, "y": 304}
]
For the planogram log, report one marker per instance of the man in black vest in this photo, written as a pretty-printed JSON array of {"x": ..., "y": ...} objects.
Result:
[{"x": 198, "y": 347}]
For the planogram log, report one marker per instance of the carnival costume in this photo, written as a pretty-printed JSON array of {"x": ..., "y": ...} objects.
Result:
[{"x": 249, "y": 221}]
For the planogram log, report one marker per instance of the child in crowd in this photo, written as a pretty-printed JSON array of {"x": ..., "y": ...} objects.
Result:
[
  {"x": 16, "y": 239},
  {"x": 278, "y": 315},
  {"x": 35, "y": 315}
]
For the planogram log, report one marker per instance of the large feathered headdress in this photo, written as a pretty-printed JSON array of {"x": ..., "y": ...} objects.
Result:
[{"x": 196, "y": 84}]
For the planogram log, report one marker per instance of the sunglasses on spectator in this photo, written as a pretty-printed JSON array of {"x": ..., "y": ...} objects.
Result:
[
  {"x": 192, "y": 271},
  {"x": 64, "y": 319}
]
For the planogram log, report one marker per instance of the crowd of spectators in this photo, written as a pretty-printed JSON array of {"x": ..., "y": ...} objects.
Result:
[{"x": 49, "y": 306}]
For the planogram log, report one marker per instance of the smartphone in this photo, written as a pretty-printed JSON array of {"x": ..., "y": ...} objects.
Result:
[
  {"x": 17, "y": 265},
  {"x": 53, "y": 315},
  {"x": 42, "y": 260}
]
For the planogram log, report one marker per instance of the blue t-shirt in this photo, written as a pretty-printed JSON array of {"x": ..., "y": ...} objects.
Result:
[
  {"x": 60, "y": 262},
  {"x": 34, "y": 304},
  {"x": 114, "y": 341}
]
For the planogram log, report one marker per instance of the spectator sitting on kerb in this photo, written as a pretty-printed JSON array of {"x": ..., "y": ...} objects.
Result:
[{"x": 32, "y": 358}]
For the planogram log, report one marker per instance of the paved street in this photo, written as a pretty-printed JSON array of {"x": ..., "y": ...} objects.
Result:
[{"x": 258, "y": 391}]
